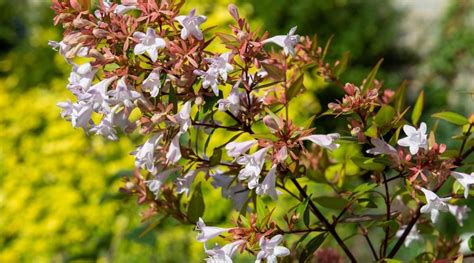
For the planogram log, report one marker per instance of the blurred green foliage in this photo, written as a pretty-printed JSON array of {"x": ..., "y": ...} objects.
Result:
[{"x": 59, "y": 188}]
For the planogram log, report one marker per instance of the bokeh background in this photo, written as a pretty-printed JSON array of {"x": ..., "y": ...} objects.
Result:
[{"x": 59, "y": 199}]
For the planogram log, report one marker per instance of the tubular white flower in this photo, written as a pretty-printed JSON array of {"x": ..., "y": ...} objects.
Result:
[
  {"x": 145, "y": 154},
  {"x": 415, "y": 139},
  {"x": 222, "y": 254},
  {"x": 287, "y": 42},
  {"x": 97, "y": 95},
  {"x": 219, "y": 67},
  {"x": 232, "y": 102},
  {"x": 149, "y": 43},
  {"x": 208, "y": 232},
  {"x": 325, "y": 141},
  {"x": 191, "y": 25},
  {"x": 105, "y": 127},
  {"x": 381, "y": 147},
  {"x": 81, "y": 115},
  {"x": 236, "y": 149},
  {"x": 267, "y": 187},
  {"x": 123, "y": 95},
  {"x": 81, "y": 78},
  {"x": 152, "y": 83},
  {"x": 184, "y": 117},
  {"x": 174, "y": 152},
  {"x": 465, "y": 180},
  {"x": 434, "y": 204},
  {"x": 270, "y": 249},
  {"x": 253, "y": 166}
]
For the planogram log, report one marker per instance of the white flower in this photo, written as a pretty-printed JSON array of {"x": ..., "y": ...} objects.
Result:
[
  {"x": 191, "y": 25},
  {"x": 81, "y": 115},
  {"x": 415, "y": 139},
  {"x": 154, "y": 185},
  {"x": 465, "y": 180},
  {"x": 68, "y": 51},
  {"x": 81, "y": 78},
  {"x": 270, "y": 249},
  {"x": 123, "y": 95},
  {"x": 105, "y": 127},
  {"x": 223, "y": 254},
  {"x": 268, "y": 185},
  {"x": 183, "y": 185},
  {"x": 145, "y": 154},
  {"x": 152, "y": 83},
  {"x": 414, "y": 235},
  {"x": 381, "y": 147},
  {"x": 232, "y": 102},
  {"x": 219, "y": 67},
  {"x": 210, "y": 78},
  {"x": 174, "y": 152},
  {"x": 149, "y": 43},
  {"x": 66, "y": 109},
  {"x": 253, "y": 166},
  {"x": 325, "y": 141},
  {"x": 184, "y": 117},
  {"x": 126, "y": 6},
  {"x": 459, "y": 212},
  {"x": 97, "y": 95},
  {"x": 287, "y": 42},
  {"x": 235, "y": 149},
  {"x": 434, "y": 204},
  {"x": 221, "y": 64},
  {"x": 208, "y": 232}
]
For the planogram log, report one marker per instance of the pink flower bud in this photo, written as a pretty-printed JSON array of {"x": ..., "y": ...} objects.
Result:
[{"x": 233, "y": 11}]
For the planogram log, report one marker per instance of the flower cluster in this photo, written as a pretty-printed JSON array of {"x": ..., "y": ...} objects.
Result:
[{"x": 148, "y": 69}]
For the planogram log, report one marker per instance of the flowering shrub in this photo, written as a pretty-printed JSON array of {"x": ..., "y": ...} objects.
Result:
[{"x": 224, "y": 119}]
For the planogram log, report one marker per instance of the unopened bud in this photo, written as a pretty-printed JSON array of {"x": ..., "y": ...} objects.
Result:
[
  {"x": 99, "y": 33},
  {"x": 271, "y": 123},
  {"x": 199, "y": 101},
  {"x": 129, "y": 185}
]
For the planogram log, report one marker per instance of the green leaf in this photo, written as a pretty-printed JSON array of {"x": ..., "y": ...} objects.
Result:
[
  {"x": 326, "y": 47},
  {"x": 260, "y": 208},
  {"x": 111, "y": 67},
  {"x": 196, "y": 204},
  {"x": 363, "y": 188},
  {"x": 384, "y": 116},
  {"x": 312, "y": 246},
  {"x": 294, "y": 88},
  {"x": 369, "y": 81},
  {"x": 216, "y": 157},
  {"x": 342, "y": 65},
  {"x": 332, "y": 202},
  {"x": 417, "y": 110},
  {"x": 451, "y": 117},
  {"x": 400, "y": 96},
  {"x": 371, "y": 131},
  {"x": 367, "y": 163}
]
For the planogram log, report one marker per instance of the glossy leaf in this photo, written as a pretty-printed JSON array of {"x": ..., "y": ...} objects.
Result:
[
  {"x": 417, "y": 110},
  {"x": 332, "y": 202},
  {"x": 384, "y": 116},
  {"x": 312, "y": 246},
  {"x": 451, "y": 117}
]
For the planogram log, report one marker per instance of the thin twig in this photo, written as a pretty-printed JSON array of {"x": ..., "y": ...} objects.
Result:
[{"x": 331, "y": 229}]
